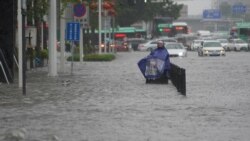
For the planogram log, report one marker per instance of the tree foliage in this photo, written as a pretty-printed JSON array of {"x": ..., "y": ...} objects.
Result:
[
  {"x": 141, "y": 11},
  {"x": 36, "y": 9},
  {"x": 127, "y": 14}
]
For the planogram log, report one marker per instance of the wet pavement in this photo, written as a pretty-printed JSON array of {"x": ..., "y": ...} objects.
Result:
[{"x": 109, "y": 101}]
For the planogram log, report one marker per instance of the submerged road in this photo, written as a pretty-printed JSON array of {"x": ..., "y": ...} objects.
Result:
[{"x": 109, "y": 101}]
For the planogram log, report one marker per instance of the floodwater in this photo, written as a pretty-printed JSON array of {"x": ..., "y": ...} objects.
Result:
[{"x": 109, "y": 101}]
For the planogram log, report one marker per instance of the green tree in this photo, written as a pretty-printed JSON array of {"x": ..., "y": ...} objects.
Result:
[
  {"x": 36, "y": 9},
  {"x": 141, "y": 11},
  {"x": 126, "y": 14}
]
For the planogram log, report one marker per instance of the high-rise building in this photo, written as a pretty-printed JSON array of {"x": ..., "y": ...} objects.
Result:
[{"x": 184, "y": 11}]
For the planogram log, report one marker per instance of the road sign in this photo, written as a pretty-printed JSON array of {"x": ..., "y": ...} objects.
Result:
[
  {"x": 239, "y": 9},
  {"x": 81, "y": 15},
  {"x": 79, "y": 10},
  {"x": 211, "y": 14},
  {"x": 73, "y": 31}
]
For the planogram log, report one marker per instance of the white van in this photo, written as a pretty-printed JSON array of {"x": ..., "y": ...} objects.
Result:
[{"x": 203, "y": 33}]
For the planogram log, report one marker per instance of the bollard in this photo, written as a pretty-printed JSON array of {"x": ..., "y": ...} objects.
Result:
[
  {"x": 178, "y": 78},
  {"x": 183, "y": 81}
]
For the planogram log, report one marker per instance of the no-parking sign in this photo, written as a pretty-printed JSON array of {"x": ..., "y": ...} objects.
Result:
[
  {"x": 79, "y": 10},
  {"x": 81, "y": 14}
]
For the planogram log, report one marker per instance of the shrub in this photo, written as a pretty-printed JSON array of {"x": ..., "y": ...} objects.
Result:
[
  {"x": 30, "y": 52},
  {"x": 93, "y": 57},
  {"x": 44, "y": 53},
  {"x": 99, "y": 57}
]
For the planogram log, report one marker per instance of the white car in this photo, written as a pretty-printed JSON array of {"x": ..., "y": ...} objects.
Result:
[
  {"x": 224, "y": 43},
  {"x": 237, "y": 45},
  {"x": 195, "y": 44},
  {"x": 176, "y": 49},
  {"x": 148, "y": 46},
  {"x": 167, "y": 39},
  {"x": 211, "y": 48}
]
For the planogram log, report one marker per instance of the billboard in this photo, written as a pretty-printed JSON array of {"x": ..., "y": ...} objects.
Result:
[
  {"x": 211, "y": 14},
  {"x": 239, "y": 9}
]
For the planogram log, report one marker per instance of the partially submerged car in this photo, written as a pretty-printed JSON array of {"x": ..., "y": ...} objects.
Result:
[
  {"x": 211, "y": 48},
  {"x": 195, "y": 44},
  {"x": 237, "y": 44},
  {"x": 176, "y": 49}
]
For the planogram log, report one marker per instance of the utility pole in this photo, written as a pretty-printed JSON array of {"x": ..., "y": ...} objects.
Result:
[
  {"x": 23, "y": 47},
  {"x": 52, "y": 39},
  {"x": 100, "y": 24},
  {"x": 20, "y": 46}
]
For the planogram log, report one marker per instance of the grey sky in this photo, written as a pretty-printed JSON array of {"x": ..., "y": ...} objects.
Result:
[{"x": 196, "y": 7}]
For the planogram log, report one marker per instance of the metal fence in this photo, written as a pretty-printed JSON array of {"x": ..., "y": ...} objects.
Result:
[{"x": 178, "y": 78}]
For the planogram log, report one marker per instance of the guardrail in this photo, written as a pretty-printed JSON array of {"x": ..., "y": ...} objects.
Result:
[
  {"x": 4, "y": 69},
  {"x": 5, "y": 76},
  {"x": 178, "y": 78}
]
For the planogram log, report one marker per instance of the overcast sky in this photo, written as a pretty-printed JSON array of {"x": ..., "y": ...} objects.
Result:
[{"x": 196, "y": 7}]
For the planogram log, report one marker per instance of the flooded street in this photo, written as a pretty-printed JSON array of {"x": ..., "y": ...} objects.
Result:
[{"x": 109, "y": 101}]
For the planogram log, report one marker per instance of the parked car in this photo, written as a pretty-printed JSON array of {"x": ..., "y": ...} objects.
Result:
[
  {"x": 237, "y": 44},
  {"x": 176, "y": 49},
  {"x": 195, "y": 44},
  {"x": 211, "y": 48},
  {"x": 148, "y": 46}
]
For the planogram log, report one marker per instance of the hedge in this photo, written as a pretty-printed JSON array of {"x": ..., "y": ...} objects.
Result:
[
  {"x": 93, "y": 57},
  {"x": 99, "y": 57}
]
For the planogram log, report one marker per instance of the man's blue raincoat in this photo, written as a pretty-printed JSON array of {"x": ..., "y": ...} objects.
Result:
[{"x": 156, "y": 64}]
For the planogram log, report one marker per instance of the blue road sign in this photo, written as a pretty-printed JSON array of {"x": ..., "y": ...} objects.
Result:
[
  {"x": 211, "y": 14},
  {"x": 73, "y": 31},
  {"x": 239, "y": 9}
]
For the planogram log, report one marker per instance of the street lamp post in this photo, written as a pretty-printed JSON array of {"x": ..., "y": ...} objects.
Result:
[
  {"x": 20, "y": 57},
  {"x": 52, "y": 38},
  {"x": 100, "y": 24},
  {"x": 23, "y": 8}
]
